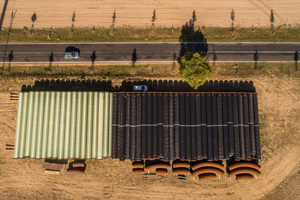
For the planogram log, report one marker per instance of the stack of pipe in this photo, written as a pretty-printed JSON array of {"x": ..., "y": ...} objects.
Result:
[{"x": 64, "y": 125}]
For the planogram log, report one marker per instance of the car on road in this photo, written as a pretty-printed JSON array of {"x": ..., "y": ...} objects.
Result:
[
  {"x": 71, "y": 55},
  {"x": 142, "y": 88},
  {"x": 72, "y": 52}
]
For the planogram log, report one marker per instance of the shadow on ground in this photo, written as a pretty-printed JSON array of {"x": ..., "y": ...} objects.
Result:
[
  {"x": 153, "y": 86},
  {"x": 192, "y": 40}
]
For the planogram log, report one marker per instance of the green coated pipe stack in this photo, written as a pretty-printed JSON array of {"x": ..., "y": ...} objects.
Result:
[
  {"x": 95, "y": 125},
  {"x": 64, "y": 125},
  {"x": 35, "y": 125},
  {"x": 110, "y": 125},
  {"x": 100, "y": 128},
  {"x": 46, "y": 123},
  {"x": 51, "y": 125},
  {"x": 62, "y": 131},
  {"x": 40, "y": 125},
  {"x": 78, "y": 126},
  {"x": 72, "y": 126},
  {"x": 18, "y": 128},
  {"x": 23, "y": 126},
  {"x": 29, "y": 124},
  {"x": 89, "y": 125},
  {"x": 66, "y": 144}
]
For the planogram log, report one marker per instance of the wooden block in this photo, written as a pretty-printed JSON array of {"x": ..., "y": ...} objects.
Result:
[
  {"x": 52, "y": 172},
  {"x": 53, "y": 166}
]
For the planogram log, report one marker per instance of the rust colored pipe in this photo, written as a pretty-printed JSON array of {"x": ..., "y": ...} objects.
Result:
[
  {"x": 244, "y": 170},
  {"x": 78, "y": 165},
  {"x": 204, "y": 177},
  {"x": 181, "y": 165},
  {"x": 138, "y": 171},
  {"x": 242, "y": 177},
  {"x": 210, "y": 170},
  {"x": 181, "y": 171},
  {"x": 137, "y": 166},
  {"x": 244, "y": 164},
  {"x": 207, "y": 164},
  {"x": 160, "y": 171},
  {"x": 155, "y": 166}
]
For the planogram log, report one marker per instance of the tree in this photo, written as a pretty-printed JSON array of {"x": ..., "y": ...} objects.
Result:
[
  {"x": 73, "y": 20},
  {"x": 194, "y": 17},
  {"x": 272, "y": 20},
  {"x": 232, "y": 19},
  {"x": 153, "y": 17},
  {"x": 114, "y": 17},
  {"x": 73, "y": 16},
  {"x": 195, "y": 69},
  {"x": 33, "y": 19}
]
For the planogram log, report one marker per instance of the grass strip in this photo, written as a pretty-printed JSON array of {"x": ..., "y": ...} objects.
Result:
[{"x": 148, "y": 34}]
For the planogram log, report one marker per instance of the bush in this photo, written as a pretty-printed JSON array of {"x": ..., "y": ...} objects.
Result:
[{"x": 195, "y": 69}]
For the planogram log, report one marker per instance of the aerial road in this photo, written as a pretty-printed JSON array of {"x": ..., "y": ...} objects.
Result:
[{"x": 160, "y": 52}]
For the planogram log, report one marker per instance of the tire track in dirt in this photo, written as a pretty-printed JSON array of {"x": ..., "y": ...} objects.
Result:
[
  {"x": 275, "y": 13},
  {"x": 289, "y": 189},
  {"x": 265, "y": 9}
]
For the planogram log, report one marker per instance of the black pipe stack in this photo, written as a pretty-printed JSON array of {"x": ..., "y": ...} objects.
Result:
[{"x": 187, "y": 126}]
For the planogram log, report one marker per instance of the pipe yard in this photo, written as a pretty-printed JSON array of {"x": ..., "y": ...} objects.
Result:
[
  {"x": 201, "y": 132},
  {"x": 107, "y": 177}
]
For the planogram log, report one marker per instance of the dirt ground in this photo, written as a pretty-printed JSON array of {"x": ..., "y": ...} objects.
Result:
[
  {"x": 279, "y": 107},
  {"x": 214, "y": 13}
]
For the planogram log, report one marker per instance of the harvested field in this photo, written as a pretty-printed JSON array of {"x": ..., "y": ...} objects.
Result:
[
  {"x": 216, "y": 13},
  {"x": 279, "y": 97}
]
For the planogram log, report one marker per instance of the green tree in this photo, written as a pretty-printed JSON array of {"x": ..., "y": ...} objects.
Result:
[{"x": 195, "y": 69}]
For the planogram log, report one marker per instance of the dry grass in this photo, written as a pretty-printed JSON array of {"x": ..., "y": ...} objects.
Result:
[{"x": 148, "y": 34}]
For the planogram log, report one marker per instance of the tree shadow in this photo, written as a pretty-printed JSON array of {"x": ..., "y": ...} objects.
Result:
[
  {"x": 153, "y": 86},
  {"x": 296, "y": 58},
  {"x": 255, "y": 58},
  {"x": 11, "y": 56},
  {"x": 174, "y": 60},
  {"x": 69, "y": 85},
  {"x": 13, "y": 14},
  {"x": 180, "y": 86},
  {"x": 192, "y": 40},
  {"x": 214, "y": 57},
  {"x": 134, "y": 56},
  {"x": 93, "y": 57},
  {"x": 3, "y": 13},
  {"x": 51, "y": 58}
]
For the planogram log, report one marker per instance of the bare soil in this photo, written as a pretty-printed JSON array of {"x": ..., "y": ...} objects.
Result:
[
  {"x": 215, "y": 13},
  {"x": 279, "y": 108}
]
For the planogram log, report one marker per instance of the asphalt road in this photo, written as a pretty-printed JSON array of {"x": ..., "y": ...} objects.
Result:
[{"x": 149, "y": 52}]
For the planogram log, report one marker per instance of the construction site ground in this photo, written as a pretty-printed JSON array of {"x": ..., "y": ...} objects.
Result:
[{"x": 279, "y": 108}]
